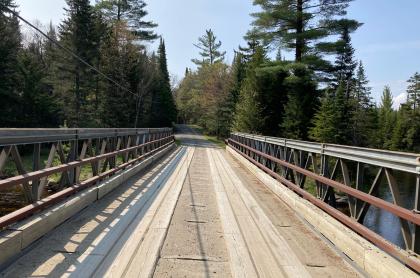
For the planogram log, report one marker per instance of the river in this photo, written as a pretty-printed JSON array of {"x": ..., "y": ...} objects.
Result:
[{"x": 385, "y": 223}]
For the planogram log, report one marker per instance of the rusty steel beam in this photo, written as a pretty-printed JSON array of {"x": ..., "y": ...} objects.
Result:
[
  {"x": 349, "y": 222},
  {"x": 375, "y": 201},
  {"x": 21, "y": 179},
  {"x": 63, "y": 194}
]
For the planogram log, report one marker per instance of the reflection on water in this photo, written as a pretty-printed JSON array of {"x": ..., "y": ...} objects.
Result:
[{"x": 385, "y": 223}]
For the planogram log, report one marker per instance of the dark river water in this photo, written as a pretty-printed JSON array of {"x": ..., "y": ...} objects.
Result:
[{"x": 385, "y": 223}]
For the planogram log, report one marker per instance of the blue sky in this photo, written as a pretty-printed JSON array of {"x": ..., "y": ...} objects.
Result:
[{"x": 388, "y": 43}]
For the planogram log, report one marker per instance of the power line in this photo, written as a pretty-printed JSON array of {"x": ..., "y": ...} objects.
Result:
[{"x": 80, "y": 59}]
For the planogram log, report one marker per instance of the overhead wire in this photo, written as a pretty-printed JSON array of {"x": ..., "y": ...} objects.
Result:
[{"x": 80, "y": 59}]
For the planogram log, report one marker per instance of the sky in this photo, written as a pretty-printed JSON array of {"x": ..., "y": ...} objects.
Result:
[{"x": 388, "y": 43}]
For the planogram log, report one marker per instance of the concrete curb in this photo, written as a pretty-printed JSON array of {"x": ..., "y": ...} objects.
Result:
[
  {"x": 20, "y": 235},
  {"x": 366, "y": 255}
]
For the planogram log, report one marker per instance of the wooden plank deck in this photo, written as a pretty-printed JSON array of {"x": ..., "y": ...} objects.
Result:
[{"x": 196, "y": 214}]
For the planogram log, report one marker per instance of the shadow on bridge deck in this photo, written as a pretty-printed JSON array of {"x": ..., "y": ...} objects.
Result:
[
  {"x": 212, "y": 218},
  {"x": 91, "y": 234}
]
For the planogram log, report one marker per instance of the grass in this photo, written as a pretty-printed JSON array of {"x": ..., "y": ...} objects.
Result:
[
  {"x": 213, "y": 139},
  {"x": 310, "y": 186}
]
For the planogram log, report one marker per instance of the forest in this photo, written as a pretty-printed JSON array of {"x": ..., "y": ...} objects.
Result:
[
  {"x": 92, "y": 70},
  {"x": 320, "y": 94}
]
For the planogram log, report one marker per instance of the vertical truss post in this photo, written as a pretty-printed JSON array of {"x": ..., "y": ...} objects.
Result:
[{"x": 416, "y": 230}]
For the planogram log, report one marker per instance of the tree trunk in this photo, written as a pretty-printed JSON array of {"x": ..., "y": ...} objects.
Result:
[{"x": 300, "y": 43}]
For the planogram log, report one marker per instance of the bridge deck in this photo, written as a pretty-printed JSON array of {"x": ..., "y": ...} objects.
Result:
[{"x": 196, "y": 214}]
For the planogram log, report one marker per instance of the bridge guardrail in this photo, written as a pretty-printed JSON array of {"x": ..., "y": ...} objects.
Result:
[
  {"x": 99, "y": 152},
  {"x": 342, "y": 169}
]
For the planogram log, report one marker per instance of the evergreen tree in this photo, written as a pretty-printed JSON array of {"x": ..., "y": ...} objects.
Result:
[
  {"x": 399, "y": 135},
  {"x": 299, "y": 25},
  {"x": 329, "y": 123},
  {"x": 249, "y": 115},
  {"x": 238, "y": 75},
  {"x": 210, "y": 50},
  {"x": 250, "y": 49},
  {"x": 324, "y": 123},
  {"x": 362, "y": 112},
  {"x": 302, "y": 98},
  {"x": 119, "y": 61},
  {"x": 39, "y": 108},
  {"x": 133, "y": 13},
  {"x": 413, "y": 91},
  {"x": 10, "y": 45},
  {"x": 77, "y": 33},
  {"x": 386, "y": 119},
  {"x": 166, "y": 109},
  {"x": 345, "y": 64}
]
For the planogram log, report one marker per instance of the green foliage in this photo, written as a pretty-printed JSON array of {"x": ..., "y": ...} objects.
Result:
[
  {"x": 329, "y": 123},
  {"x": 302, "y": 100},
  {"x": 132, "y": 12},
  {"x": 163, "y": 109},
  {"x": 413, "y": 91},
  {"x": 363, "y": 118},
  {"x": 209, "y": 50},
  {"x": 387, "y": 119},
  {"x": 43, "y": 86},
  {"x": 10, "y": 45},
  {"x": 77, "y": 33},
  {"x": 345, "y": 64},
  {"x": 300, "y": 25},
  {"x": 406, "y": 134},
  {"x": 204, "y": 98}
]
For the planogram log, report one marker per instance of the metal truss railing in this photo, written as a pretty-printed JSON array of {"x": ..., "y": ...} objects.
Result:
[
  {"x": 341, "y": 171},
  {"x": 100, "y": 152}
]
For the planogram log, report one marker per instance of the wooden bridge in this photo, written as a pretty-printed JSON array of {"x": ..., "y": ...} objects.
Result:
[{"x": 264, "y": 207}]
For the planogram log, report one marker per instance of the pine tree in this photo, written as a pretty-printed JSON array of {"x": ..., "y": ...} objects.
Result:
[
  {"x": 329, "y": 123},
  {"x": 302, "y": 98},
  {"x": 324, "y": 123},
  {"x": 386, "y": 119},
  {"x": 345, "y": 64},
  {"x": 210, "y": 50},
  {"x": 77, "y": 33},
  {"x": 299, "y": 25},
  {"x": 39, "y": 107},
  {"x": 399, "y": 135},
  {"x": 133, "y": 12},
  {"x": 10, "y": 45},
  {"x": 250, "y": 49},
  {"x": 119, "y": 57},
  {"x": 362, "y": 112},
  {"x": 167, "y": 105},
  {"x": 413, "y": 91},
  {"x": 249, "y": 115},
  {"x": 238, "y": 73}
]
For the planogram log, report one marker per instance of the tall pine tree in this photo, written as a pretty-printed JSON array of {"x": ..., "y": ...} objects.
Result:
[
  {"x": 302, "y": 100},
  {"x": 301, "y": 26},
  {"x": 362, "y": 111},
  {"x": 330, "y": 124},
  {"x": 133, "y": 13},
  {"x": 413, "y": 91},
  {"x": 386, "y": 120},
  {"x": 345, "y": 65},
  {"x": 10, "y": 45},
  {"x": 249, "y": 115},
  {"x": 77, "y": 33},
  {"x": 210, "y": 49},
  {"x": 167, "y": 109}
]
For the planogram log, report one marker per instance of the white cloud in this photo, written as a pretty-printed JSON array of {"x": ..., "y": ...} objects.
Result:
[
  {"x": 398, "y": 88},
  {"x": 398, "y": 100}
]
